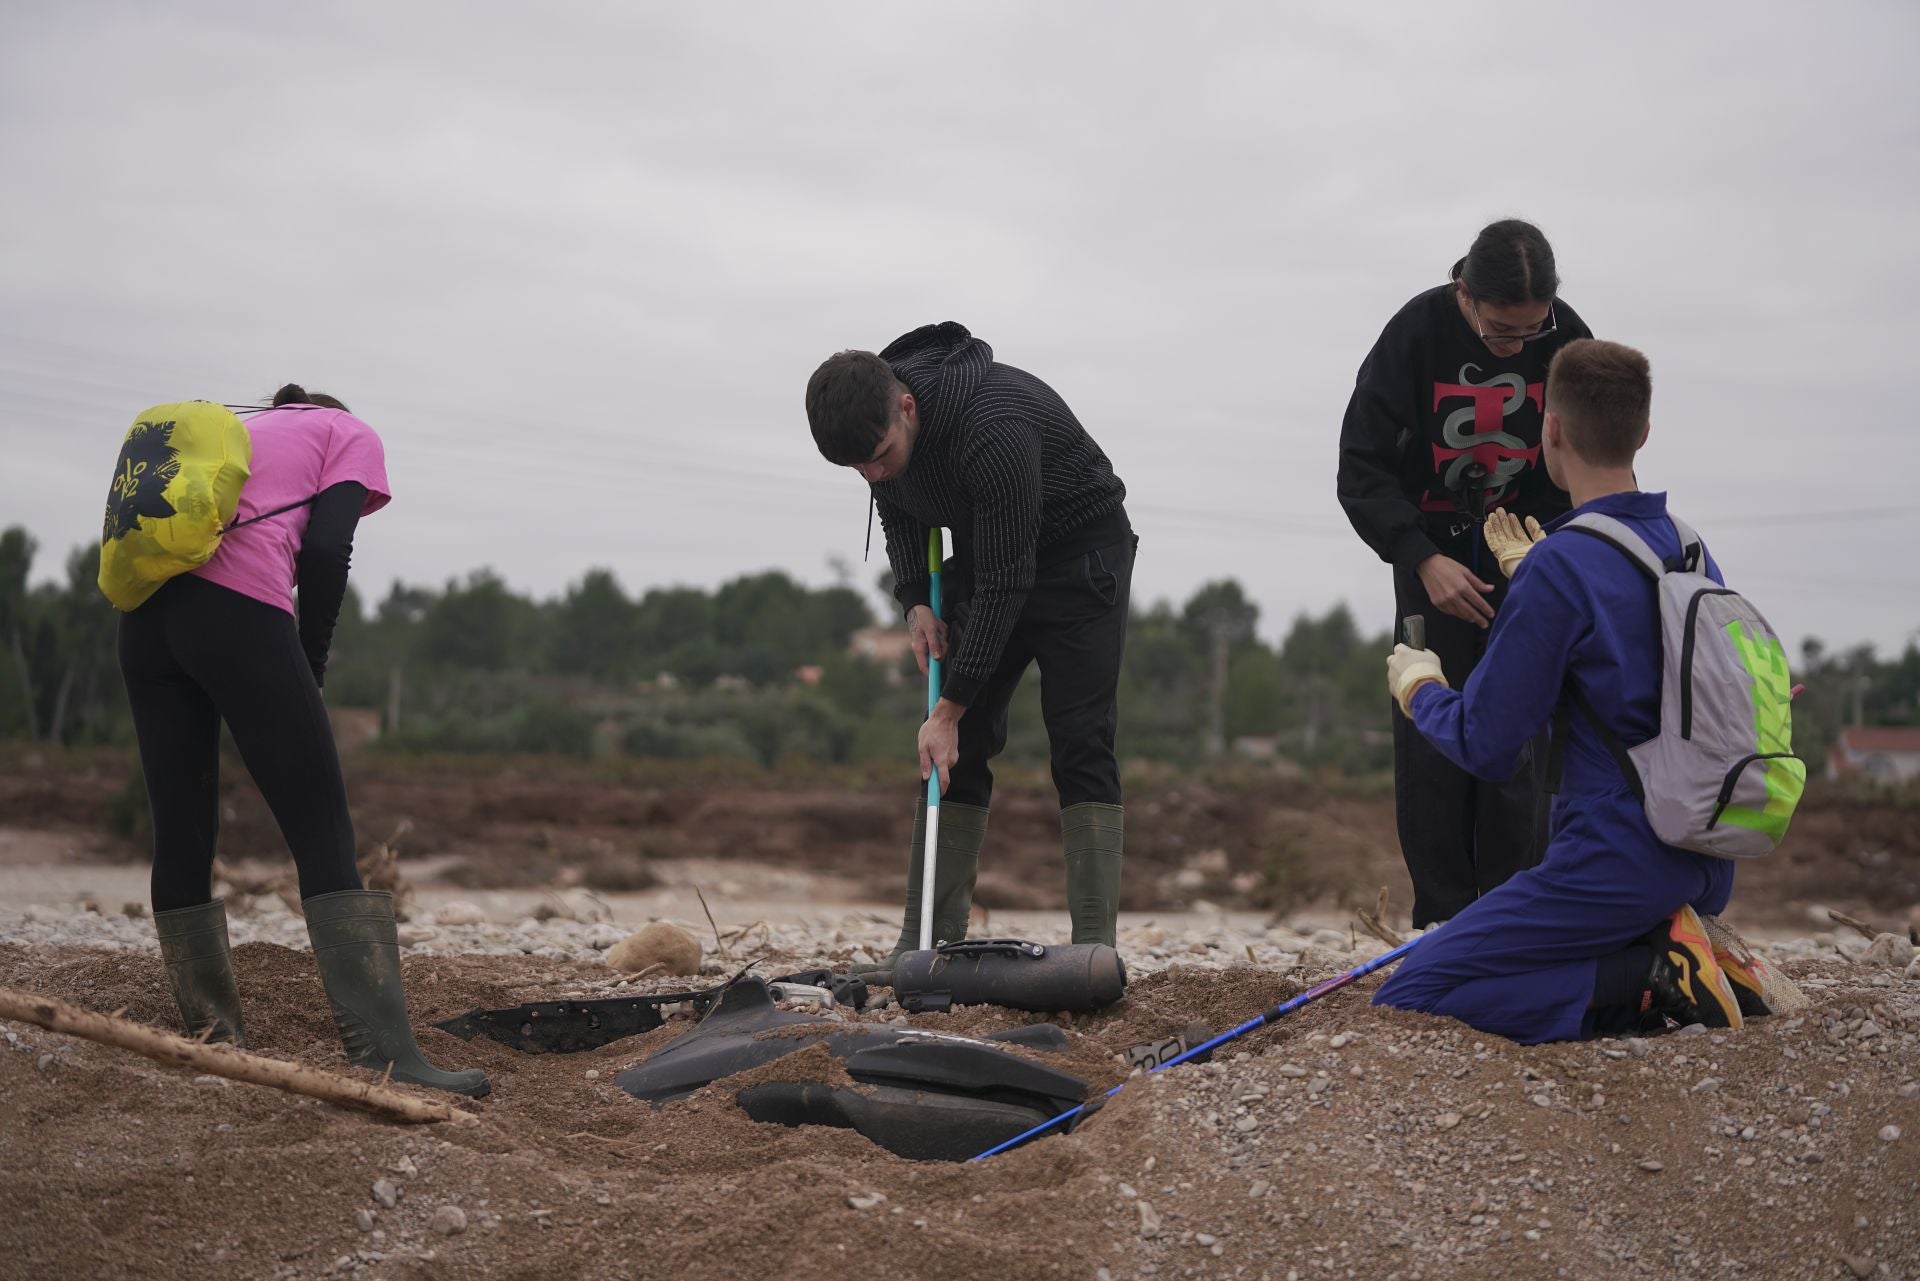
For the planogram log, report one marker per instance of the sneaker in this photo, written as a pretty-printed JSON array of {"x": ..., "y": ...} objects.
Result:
[
  {"x": 1760, "y": 987},
  {"x": 1686, "y": 983},
  {"x": 1747, "y": 987}
]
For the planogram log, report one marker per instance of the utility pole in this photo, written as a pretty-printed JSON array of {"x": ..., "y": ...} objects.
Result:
[
  {"x": 1310, "y": 732},
  {"x": 1222, "y": 631},
  {"x": 1223, "y": 627}
]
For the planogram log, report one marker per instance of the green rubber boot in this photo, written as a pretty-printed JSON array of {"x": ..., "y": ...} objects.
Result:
[
  {"x": 193, "y": 943},
  {"x": 963, "y": 830},
  {"x": 1095, "y": 838},
  {"x": 358, "y": 951}
]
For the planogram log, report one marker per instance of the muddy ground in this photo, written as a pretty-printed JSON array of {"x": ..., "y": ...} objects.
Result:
[
  {"x": 1346, "y": 1142},
  {"x": 1245, "y": 837}
]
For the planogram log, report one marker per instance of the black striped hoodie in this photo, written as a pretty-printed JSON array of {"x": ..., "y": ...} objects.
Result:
[{"x": 1002, "y": 462}]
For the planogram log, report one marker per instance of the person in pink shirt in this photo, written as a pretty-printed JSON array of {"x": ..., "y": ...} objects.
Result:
[{"x": 231, "y": 642}]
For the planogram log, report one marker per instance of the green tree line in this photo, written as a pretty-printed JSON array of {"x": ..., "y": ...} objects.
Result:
[{"x": 761, "y": 669}]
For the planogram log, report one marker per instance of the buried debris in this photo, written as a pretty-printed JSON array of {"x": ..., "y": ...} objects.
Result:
[
  {"x": 923, "y": 1095},
  {"x": 1151, "y": 1056},
  {"x": 567, "y": 1027},
  {"x": 564, "y": 1027},
  {"x": 1014, "y": 974}
]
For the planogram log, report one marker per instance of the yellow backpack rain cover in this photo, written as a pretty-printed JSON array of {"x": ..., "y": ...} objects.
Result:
[{"x": 173, "y": 494}]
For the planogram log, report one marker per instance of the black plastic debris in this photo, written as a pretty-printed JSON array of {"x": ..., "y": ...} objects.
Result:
[
  {"x": 567, "y": 1027},
  {"x": 920, "y": 1094}
]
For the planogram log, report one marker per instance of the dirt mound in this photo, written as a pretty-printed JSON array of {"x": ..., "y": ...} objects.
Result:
[{"x": 1343, "y": 1141}]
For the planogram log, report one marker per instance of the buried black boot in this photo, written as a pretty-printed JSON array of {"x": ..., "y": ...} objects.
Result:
[
  {"x": 358, "y": 952},
  {"x": 193, "y": 943}
]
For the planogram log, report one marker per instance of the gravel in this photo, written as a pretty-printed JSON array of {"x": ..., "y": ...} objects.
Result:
[{"x": 1204, "y": 942}]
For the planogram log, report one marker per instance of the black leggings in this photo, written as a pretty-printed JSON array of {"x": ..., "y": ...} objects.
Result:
[{"x": 198, "y": 653}]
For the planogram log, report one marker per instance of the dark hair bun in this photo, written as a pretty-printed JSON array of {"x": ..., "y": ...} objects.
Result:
[{"x": 291, "y": 394}]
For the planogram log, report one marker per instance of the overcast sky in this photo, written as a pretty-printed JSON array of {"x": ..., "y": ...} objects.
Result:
[{"x": 576, "y": 267}]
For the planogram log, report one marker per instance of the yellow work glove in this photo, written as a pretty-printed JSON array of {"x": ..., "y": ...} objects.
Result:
[
  {"x": 1409, "y": 669},
  {"x": 1509, "y": 540}
]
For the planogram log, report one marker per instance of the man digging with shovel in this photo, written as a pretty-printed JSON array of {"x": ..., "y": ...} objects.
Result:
[{"x": 948, "y": 437}]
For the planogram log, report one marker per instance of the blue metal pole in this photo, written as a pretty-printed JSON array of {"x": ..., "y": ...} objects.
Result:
[{"x": 1279, "y": 1011}]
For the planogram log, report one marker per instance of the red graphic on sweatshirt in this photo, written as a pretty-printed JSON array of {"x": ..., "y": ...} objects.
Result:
[{"x": 1473, "y": 434}]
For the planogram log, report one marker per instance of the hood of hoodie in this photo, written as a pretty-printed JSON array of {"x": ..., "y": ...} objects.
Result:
[{"x": 941, "y": 365}]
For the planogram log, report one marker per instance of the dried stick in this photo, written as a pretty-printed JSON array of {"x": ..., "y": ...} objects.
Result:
[
  {"x": 1852, "y": 923},
  {"x": 744, "y": 930},
  {"x": 718, "y": 941},
  {"x": 220, "y": 1060},
  {"x": 1376, "y": 921},
  {"x": 651, "y": 970}
]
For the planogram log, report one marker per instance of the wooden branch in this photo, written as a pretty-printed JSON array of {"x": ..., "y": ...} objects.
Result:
[
  {"x": 1852, "y": 923},
  {"x": 718, "y": 941},
  {"x": 221, "y": 1060},
  {"x": 1376, "y": 921}
]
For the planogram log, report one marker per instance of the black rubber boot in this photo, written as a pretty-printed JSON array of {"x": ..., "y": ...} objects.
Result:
[
  {"x": 963, "y": 830},
  {"x": 1095, "y": 837},
  {"x": 193, "y": 943},
  {"x": 358, "y": 952}
]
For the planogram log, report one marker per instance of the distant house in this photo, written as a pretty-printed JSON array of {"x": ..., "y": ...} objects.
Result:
[
  {"x": 1884, "y": 753},
  {"x": 888, "y": 646}
]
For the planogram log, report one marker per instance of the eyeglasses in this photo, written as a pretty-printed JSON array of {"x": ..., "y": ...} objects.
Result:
[{"x": 1481, "y": 328}]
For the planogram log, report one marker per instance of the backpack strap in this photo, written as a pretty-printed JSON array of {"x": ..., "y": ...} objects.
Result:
[
  {"x": 1557, "y": 746},
  {"x": 1692, "y": 550},
  {"x": 1622, "y": 537},
  {"x": 1570, "y": 699},
  {"x": 241, "y": 524},
  {"x": 261, "y": 409}
]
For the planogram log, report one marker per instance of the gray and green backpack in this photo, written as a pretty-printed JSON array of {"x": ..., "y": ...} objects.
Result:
[{"x": 1720, "y": 777}]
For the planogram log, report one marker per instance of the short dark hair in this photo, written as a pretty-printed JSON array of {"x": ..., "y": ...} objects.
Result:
[
  {"x": 1510, "y": 264},
  {"x": 295, "y": 394},
  {"x": 1603, "y": 392},
  {"x": 850, "y": 404}
]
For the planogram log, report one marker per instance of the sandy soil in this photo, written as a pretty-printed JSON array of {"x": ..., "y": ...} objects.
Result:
[{"x": 1343, "y": 1142}]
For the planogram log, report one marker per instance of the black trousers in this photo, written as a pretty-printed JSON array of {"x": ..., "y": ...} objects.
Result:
[
  {"x": 197, "y": 653},
  {"x": 1074, "y": 625},
  {"x": 1460, "y": 835}
]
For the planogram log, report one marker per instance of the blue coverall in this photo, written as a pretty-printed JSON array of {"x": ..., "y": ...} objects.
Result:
[{"x": 1520, "y": 960}]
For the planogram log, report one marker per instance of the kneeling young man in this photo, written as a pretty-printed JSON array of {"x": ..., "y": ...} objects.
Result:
[{"x": 1604, "y": 936}]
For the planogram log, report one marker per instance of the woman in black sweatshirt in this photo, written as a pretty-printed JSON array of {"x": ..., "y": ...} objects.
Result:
[{"x": 1443, "y": 426}]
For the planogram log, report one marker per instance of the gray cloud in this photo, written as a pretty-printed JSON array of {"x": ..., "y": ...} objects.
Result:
[{"x": 576, "y": 267}]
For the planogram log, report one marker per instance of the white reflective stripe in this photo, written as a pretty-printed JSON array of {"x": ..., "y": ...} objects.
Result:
[{"x": 929, "y": 870}]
